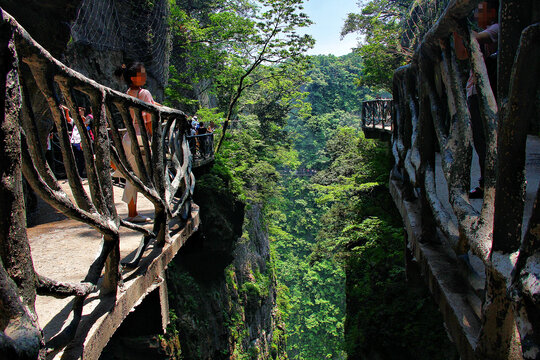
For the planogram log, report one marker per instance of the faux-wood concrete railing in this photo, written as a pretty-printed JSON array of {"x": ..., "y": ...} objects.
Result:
[
  {"x": 163, "y": 165},
  {"x": 430, "y": 117}
]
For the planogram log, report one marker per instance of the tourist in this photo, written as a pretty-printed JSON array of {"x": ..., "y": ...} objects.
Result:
[
  {"x": 488, "y": 39},
  {"x": 194, "y": 124},
  {"x": 135, "y": 77},
  {"x": 202, "y": 129},
  {"x": 75, "y": 139}
]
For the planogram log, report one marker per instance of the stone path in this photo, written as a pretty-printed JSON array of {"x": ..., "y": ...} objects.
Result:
[
  {"x": 477, "y": 278},
  {"x": 63, "y": 249}
]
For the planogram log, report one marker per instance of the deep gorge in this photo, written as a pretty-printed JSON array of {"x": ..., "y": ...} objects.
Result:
[{"x": 284, "y": 266}]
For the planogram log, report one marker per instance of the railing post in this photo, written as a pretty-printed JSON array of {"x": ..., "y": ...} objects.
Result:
[
  {"x": 426, "y": 150},
  {"x": 161, "y": 221},
  {"x": 509, "y": 195},
  {"x": 512, "y": 128},
  {"x": 17, "y": 277},
  {"x": 14, "y": 246},
  {"x": 112, "y": 277}
]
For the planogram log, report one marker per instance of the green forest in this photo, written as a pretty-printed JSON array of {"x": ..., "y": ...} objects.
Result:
[
  {"x": 223, "y": 180},
  {"x": 297, "y": 150},
  {"x": 335, "y": 235}
]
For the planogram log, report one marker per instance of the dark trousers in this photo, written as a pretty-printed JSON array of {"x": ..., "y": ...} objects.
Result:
[
  {"x": 79, "y": 161},
  {"x": 478, "y": 133}
]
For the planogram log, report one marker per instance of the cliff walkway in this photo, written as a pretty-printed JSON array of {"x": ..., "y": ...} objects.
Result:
[
  {"x": 71, "y": 276},
  {"x": 479, "y": 257}
]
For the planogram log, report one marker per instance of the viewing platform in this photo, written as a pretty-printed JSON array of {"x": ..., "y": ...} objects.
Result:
[{"x": 377, "y": 119}]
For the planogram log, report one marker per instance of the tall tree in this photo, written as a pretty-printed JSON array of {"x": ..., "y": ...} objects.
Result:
[
  {"x": 240, "y": 39},
  {"x": 273, "y": 41},
  {"x": 380, "y": 22}
]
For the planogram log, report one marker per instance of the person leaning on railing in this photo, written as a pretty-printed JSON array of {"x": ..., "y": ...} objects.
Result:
[
  {"x": 135, "y": 77},
  {"x": 486, "y": 15}
]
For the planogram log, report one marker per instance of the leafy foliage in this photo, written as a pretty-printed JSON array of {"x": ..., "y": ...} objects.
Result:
[
  {"x": 339, "y": 232},
  {"x": 332, "y": 87},
  {"x": 334, "y": 234},
  {"x": 386, "y": 317},
  {"x": 380, "y": 22},
  {"x": 314, "y": 293},
  {"x": 361, "y": 229},
  {"x": 231, "y": 46}
]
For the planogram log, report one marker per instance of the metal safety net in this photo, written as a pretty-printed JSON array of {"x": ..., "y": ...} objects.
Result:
[
  {"x": 421, "y": 16},
  {"x": 138, "y": 28}
]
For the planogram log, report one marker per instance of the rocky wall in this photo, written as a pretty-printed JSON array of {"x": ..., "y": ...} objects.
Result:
[
  {"x": 222, "y": 287},
  {"x": 48, "y": 22},
  {"x": 108, "y": 33},
  {"x": 95, "y": 37}
]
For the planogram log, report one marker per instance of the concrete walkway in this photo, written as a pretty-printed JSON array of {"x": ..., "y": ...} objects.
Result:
[
  {"x": 532, "y": 174},
  {"x": 63, "y": 249},
  {"x": 459, "y": 301}
]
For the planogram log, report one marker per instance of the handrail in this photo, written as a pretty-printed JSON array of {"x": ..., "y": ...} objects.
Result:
[
  {"x": 377, "y": 114},
  {"x": 201, "y": 146},
  {"x": 430, "y": 116},
  {"x": 162, "y": 172}
]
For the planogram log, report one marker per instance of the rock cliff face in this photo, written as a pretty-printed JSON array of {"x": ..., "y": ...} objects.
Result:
[
  {"x": 46, "y": 21},
  {"x": 95, "y": 37},
  {"x": 106, "y": 34},
  {"x": 222, "y": 287}
]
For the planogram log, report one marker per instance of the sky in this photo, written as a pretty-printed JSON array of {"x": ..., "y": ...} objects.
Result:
[{"x": 328, "y": 17}]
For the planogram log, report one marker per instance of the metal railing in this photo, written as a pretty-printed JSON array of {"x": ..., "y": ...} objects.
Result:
[
  {"x": 162, "y": 173},
  {"x": 201, "y": 146},
  {"x": 377, "y": 114},
  {"x": 432, "y": 121}
]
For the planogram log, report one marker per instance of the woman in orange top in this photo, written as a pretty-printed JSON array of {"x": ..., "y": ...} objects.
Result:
[{"x": 135, "y": 77}]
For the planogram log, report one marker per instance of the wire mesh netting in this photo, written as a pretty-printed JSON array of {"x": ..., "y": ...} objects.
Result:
[
  {"x": 420, "y": 18},
  {"x": 139, "y": 28}
]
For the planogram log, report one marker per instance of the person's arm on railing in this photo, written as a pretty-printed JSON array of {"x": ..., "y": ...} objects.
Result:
[
  {"x": 66, "y": 114},
  {"x": 489, "y": 35}
]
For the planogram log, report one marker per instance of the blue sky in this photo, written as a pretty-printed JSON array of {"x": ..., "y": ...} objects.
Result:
[{"x": 328, "y": 17}]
